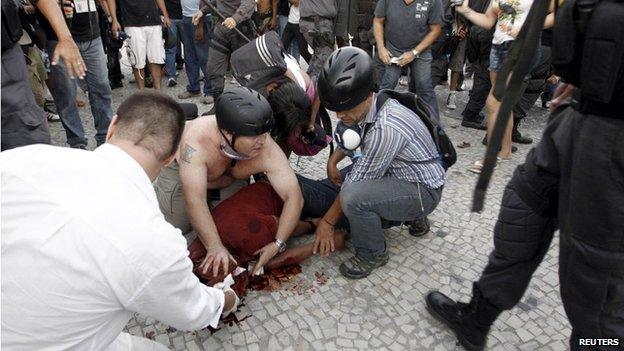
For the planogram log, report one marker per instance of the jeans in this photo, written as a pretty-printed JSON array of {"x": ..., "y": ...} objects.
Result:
[
  {"x": 196, "y": 55},
  {"x": 367, "y": 203},
  {"x": 63, "y": 91},
  {"x": 421, "y": 76},
  {"x": 319, "y": 195},
  {"x": 171, "y": 54},
  {"x": 292, "y": 36},
  {"x": 282, "y": 21}
]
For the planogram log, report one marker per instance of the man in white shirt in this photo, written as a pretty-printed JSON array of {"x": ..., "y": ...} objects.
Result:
[{"x": 84, "y": 244}]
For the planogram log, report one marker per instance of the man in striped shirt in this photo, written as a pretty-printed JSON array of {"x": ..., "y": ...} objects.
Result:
[{"x": 398, "y": 178}]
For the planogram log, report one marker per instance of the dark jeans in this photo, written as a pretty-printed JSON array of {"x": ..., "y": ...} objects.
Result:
[
  {"x": 63, "y": 91},
  {"x": 196, "y": 55},
  {"x": 172, "y": 53},
  {"x": 479, "y": 44},
  {"x": 572, "y": 181},
  {"x": 291, "y": 31},
  {"x": 319, "y": 195}
]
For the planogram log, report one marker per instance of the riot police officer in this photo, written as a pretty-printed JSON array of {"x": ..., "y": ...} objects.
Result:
[{"x": 573, "y": 180}]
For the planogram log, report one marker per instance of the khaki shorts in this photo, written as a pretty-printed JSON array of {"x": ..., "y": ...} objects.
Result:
[{"x": 171, "y": 200}]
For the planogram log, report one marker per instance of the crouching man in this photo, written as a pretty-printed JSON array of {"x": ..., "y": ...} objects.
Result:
[
  {"x": 86, "y": 246},
  {"x": 216, "y": 151},
  {"x": 399, "y": 176}
]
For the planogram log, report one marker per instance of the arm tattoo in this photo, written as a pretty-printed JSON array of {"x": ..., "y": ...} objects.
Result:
[{"x": 188, "y": 153}]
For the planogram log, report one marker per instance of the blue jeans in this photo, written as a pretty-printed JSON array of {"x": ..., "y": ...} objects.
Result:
[
  {"x": 421, "y": 77},
  {"x": 170, "y": 54},
  {"x": 63, "y": 91},
  {"x": 319, "y": 195},
  {"x": 368, "y": 204},
  {"x": 294, "y": 46},
  {"x": 196, "y": 55}
]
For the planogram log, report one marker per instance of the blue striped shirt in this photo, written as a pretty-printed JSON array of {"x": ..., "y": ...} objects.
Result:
[{"x": 397, "y": 144}]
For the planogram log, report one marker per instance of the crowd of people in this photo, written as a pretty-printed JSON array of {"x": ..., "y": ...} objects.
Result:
[{"x": 105, "y": 232}]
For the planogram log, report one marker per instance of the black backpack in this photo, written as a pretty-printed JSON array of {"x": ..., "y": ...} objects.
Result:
[{"x": 440, "y": 138}]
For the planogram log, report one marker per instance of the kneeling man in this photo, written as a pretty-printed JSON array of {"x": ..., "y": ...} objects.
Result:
[
  {"x": 399, "y": 176},
  {"x": 214, "y": 152}
]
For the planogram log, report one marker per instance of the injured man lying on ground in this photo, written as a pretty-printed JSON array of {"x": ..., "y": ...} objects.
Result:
[{"x": 247, "y": 221}]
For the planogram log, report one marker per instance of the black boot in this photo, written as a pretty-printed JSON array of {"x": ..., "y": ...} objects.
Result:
[
  {"x": 474, "y": 123},
  {"x": 470, "y": 322},
  {"x": 516, "y": 137}
]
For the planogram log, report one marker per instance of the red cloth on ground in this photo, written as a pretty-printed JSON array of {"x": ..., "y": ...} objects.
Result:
[{"x": 245, "y": 222}]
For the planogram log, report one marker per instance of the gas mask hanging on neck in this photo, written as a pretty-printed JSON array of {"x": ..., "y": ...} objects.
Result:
[{"x": 228, "y": 149}]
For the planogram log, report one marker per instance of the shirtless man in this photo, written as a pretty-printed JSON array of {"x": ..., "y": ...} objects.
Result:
[
  {"x": 216, "y": 151},
  {"x": 266, "y": 15}
]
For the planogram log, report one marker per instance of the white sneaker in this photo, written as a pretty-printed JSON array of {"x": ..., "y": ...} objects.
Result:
[
  {"x": 451, "y": 101},
  {"x": 207, "y": 99},
  {"x": 52, "y": 117}
]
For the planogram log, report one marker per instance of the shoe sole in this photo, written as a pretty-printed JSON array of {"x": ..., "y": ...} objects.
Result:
[
  {"x": 351, "y": 276},
  {"x": 463, "y": 342}
]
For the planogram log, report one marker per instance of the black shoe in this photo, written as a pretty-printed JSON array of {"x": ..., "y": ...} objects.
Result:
[
  {"x": 470, "y": 322},
  {"x": 517, "y": 137},
  {"x": 172, "y": 82},
  {"x": 180, "y": 64},
  {"x": 115, "y": 85},
  {"x": 473, "y": 125},
  {"x": 358, "y": 268},
  {"x": 418, "y": 227},
  {"x": 484, "y": 142}
]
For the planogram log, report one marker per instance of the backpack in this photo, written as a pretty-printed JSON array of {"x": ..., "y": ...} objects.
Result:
[
  {"x": 259, "y": 62},
  {"x": 441, "y": 140}
]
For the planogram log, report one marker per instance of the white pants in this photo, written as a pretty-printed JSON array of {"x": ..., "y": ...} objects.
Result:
[
  {"x": 146, "y": 42},
  {"x": 127, "y": 342}
]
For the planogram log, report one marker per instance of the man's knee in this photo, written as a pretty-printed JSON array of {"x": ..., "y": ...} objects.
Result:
[{"x": 352, "y": 196}]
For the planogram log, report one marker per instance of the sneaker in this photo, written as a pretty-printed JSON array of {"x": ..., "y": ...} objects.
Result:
[
  {"x": 418, "y": 227},
  {"x": 49, "y": 106},
  {"x": 52, "y": 117},
  {"x": 207, "y": 99},
  {"x": 188, "y": 95},
  {"x": 358, "y": 268},
  {"x": 451, "y": 101},
  {"x": 172, "y": 82},
  {"x": 115, "y": 85},
  {"x": 79, "y": 146},
  {"x": 403, "y": 81},
  {"x": 149, "y": 82},
  {"x": 180, "y": 64},
  {"x": 473, "y": 124}
]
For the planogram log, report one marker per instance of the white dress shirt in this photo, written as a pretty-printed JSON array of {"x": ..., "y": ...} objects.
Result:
[{"x": 84, "y": 245}]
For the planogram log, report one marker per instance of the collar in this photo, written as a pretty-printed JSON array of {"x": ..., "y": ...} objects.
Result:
[
  {"x": 371, "y": 116},
  {"x": 129, "y": 167}
]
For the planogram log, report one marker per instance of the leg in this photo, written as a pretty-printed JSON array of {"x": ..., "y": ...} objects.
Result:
[
  {"x": 319, "y": 195},
  {"x": 155, "y": 53},
  {"x": 172, "y": 53},
  {"x": 23, "y": 122},
  {"x": 300, "y": 46},
  {"x": 421, "y": 75},
  {"x": 138, "y": 46},
  {"x": 288, "y": 36},
  {"x": 218, "y": 60},
  {"x": 366, "y": 203},
  {"x": 493, "y": 106},
  {"x": 478, "y": 95},
  {"x": 390, "y": 76},
  {"x": 201, "y": 51},
  {"x": 190, "y": 56},
  {"x": 171, "y": 199},
  {"x": 98, "y": 86},
  {"x": 63, "y": 91}
]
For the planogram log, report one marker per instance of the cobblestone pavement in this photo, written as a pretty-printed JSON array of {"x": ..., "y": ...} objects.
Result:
[{"x": 386, "y": 310}]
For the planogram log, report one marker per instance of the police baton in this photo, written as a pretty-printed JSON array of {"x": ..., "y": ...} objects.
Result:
[{"x": 214, "y": 10}]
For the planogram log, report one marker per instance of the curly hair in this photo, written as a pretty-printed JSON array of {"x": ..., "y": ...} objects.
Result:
[{"x": 291, "y": 108}]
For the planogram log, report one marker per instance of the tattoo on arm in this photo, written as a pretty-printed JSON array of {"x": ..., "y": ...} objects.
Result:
[{"x": 188, "y": 153}]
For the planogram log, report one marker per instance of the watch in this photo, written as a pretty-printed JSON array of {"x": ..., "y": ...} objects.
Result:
[
  {"x": 281, "y": 245},
  {"x": 415, "y": 53}
]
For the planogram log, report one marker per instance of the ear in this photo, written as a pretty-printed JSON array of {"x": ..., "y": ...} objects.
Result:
[
  {"x": 169, "y": 160},
  {"x": 112, "y": 127},
  {"x": 271, "y": 86}
]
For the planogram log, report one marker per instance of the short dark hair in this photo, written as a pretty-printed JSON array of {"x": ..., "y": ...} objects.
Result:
[
  {"x": 153, "y": 121},
  {"x": 291, "y": 108}
]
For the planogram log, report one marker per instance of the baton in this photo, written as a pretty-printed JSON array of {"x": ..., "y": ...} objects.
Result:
[{"x": 214, "y": 10}]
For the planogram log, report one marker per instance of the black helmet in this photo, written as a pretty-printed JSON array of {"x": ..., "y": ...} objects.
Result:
[
  {"x": 243, "y": 112},
  {"x": 346, "y": 79}
]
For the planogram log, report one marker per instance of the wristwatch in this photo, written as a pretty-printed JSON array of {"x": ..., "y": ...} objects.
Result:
[
  {"x": 415, "y": 53},
  {"x": 281, "y": 245}
]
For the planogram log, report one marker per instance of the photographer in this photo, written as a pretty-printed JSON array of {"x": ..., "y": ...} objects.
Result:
[
  {"x": 399, "y": 176},
  {"x": 83, "y": 24},
  {"x": 23, "y": 122},
  {"x": 572, "y": 180}
]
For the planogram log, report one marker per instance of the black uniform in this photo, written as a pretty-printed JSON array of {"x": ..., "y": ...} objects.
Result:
[
  {"x": 23, "y": 122},
  {"x": 572, "y": 180}
]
